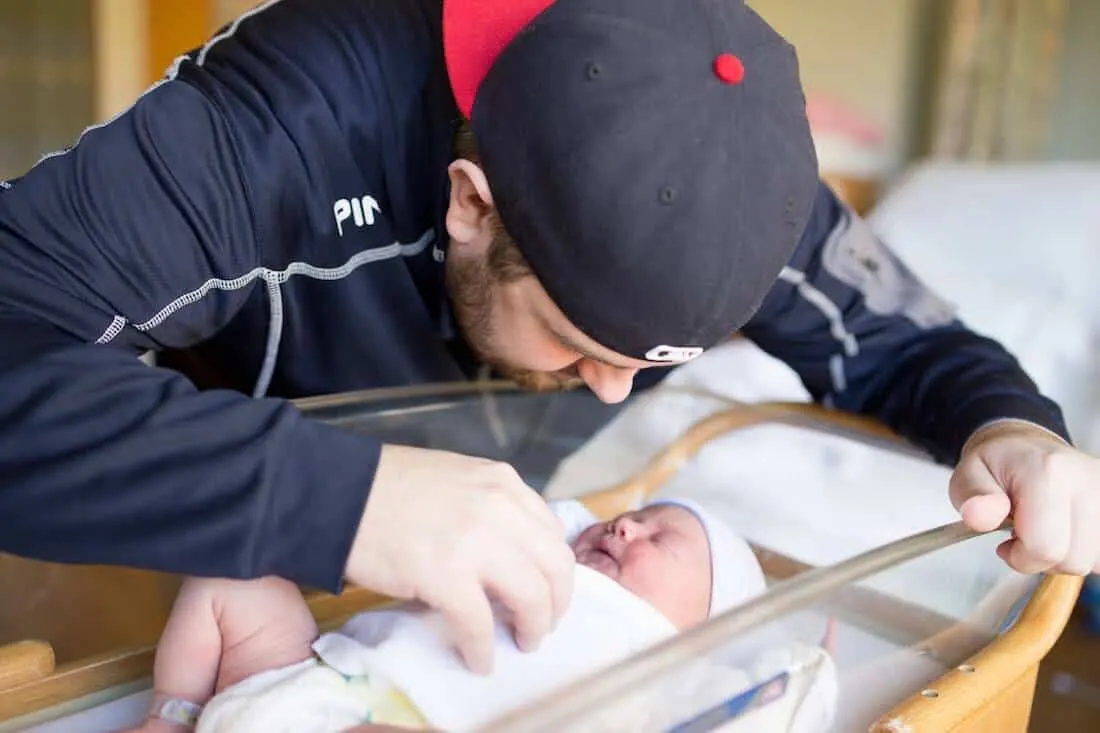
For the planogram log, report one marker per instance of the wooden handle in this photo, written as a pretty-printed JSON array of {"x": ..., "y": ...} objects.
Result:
[
  {"x": 975, "y": 691},
  {"x": 23, "y": 662}
]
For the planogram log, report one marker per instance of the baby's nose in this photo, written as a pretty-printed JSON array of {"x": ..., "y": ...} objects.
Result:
[{"x": 626, "y": 529}]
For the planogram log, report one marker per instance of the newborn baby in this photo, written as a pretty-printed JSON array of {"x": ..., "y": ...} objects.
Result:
[
  {"x": 242, "y": 656},
  {"x": 672, "y": 553}
]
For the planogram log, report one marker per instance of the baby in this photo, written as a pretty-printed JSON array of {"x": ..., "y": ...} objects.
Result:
[{"x": 241, "y": 656}]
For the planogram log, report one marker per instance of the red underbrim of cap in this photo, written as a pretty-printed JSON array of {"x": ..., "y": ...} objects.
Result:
[{"x": 474, "y": 34}]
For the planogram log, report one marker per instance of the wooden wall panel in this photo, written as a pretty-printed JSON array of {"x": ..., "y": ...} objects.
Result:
[{"x": 175, "y": 27}]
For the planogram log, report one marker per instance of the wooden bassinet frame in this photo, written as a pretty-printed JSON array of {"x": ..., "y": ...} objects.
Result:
[{"x": 992, "y": 691}]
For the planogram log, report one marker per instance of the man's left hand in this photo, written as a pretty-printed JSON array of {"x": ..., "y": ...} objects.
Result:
[{"x": 1049, "y": 489}]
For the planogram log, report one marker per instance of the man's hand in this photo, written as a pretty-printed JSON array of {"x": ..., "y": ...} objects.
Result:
[
  {"x": 456, "y": 533},
  {"x": 1049, "y": 489}
]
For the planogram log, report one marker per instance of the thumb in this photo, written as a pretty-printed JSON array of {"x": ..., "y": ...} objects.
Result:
[
  {"x": 986, "y": 512},
  {"x": 979, "y": 499}
]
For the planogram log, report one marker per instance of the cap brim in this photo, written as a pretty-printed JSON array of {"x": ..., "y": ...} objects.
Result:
[{"x": 474, "y": 34}]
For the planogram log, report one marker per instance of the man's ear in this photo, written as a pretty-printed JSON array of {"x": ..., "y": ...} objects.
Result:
[{"x": 470, "y": 212}]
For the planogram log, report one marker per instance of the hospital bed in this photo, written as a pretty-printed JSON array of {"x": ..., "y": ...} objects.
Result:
[{"x": 904, "y": 665}]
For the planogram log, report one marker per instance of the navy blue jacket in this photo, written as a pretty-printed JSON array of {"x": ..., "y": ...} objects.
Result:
[{"x": 268, "y": 219}]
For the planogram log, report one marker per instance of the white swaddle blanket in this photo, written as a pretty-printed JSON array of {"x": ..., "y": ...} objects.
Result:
[
  {"x": 408, "y": 648},
  {"x": 604, "y": 624}
]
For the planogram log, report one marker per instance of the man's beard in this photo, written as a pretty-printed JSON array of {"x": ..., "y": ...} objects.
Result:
[{"x": 471, "y": 286}]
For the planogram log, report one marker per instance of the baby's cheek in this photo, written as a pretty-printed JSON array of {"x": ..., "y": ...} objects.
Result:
[
  {"x": 648, "y": 583},
  {"x": 671, "y": 589}
]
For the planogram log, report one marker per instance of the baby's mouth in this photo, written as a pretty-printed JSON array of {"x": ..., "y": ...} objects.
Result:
[{"x": 601, "y": 561}]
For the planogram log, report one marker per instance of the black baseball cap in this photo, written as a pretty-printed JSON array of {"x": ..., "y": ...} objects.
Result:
[{"x": 651, "y": 158}]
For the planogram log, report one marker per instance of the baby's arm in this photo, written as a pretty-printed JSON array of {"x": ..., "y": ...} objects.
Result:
[
  {"x": 188, "y": 655},
  {"x": 190, "y": 650},
  {"x": 223, "y": 631}
]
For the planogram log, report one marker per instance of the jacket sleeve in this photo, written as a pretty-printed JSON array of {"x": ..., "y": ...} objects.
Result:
[
  {"x": 866, "y": 335},
  {"x": 106, "y": 460}
]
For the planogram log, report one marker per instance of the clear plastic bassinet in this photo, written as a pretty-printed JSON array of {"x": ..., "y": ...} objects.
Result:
[{"x": 964, "y": 657}]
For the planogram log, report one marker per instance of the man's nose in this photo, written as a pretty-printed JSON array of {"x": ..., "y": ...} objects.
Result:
[{"x": 610, "y": 384}]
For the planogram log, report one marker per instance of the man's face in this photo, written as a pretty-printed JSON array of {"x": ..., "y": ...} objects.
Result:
[
  {"x": 660, "y": 553},
  {"x": 518, "y": 330},
  {"x": 511, "y": 323}
]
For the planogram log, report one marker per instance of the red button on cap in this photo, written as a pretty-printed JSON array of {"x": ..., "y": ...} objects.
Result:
[{"x": 729, "y": 68}]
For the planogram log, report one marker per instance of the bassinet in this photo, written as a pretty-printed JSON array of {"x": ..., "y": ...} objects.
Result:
[{"x": 121, "y": 611}]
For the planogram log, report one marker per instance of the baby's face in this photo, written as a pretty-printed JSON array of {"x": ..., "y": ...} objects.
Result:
[{"x": 660, "y": 554}]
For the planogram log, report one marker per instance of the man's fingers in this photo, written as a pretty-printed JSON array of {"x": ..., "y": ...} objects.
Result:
[
  {"x": 979, "y": 499},
  {"x": 1004, "y": 551},
  {"x": 1081, "y": 556},
  {"x": 1021, "y": 558},
  {"x": 557, "y": 562},
  {"x": 1042, "y": 522},
  {"x": 520, "y": 586},
  {"x": 561, "y": 579},
  {"x": 970, "y": 479},
  {"x": 985, "y": 513},
  {"x": 482, "y": 534},
  {"x": 469, "y": 618},
  {"x": 543, "y": 542},
  {"x": 554, "y": 560}
]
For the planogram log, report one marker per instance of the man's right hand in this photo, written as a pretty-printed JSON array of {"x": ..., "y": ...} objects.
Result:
[{"x": 458, "y": 532}]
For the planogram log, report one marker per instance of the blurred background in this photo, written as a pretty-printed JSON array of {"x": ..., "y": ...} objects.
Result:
[
  {"x": 967, "y": 131},
  {"x": 888, "y": 83}
]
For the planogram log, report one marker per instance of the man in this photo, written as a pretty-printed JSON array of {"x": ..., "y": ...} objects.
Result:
[{"x": 291, "y": 212}]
